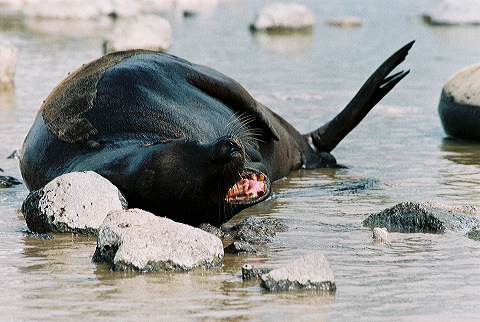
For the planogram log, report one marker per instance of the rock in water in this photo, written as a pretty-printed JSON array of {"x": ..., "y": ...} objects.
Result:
[
  {"x": 8, "y": 62},
  {"x": 459, "y": 105},
  {"x": 138, "y": 240},
  {"x": 311, "y": 272},
  {"x": 76, "y": 202},
  {"x": 411, "y": 217},
  {"x": 454, "y": 12},
  {"x": 283, "y": 16},
  {"x": 146, "y": 32}
]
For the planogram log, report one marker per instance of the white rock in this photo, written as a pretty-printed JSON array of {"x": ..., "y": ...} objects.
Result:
[
  {"x": 140, "y": 32},
  {"x": 8, "y": 62},
  {"x": 138, "y": 240},
  {"x": 75, "y": 202},
  {"x": 283, "y": 16},
  {"x": 60, "y": 9},
  {"x": 195, "y": 5},
  {"x": 459, "y": 106},
  {"x": 464, "y": 86},
  {"x": 455, "y": 12},
  {"x": 346, "y": 22},
  {"x": 380, "y": 234},
  {"x": 311, "y": 271}
]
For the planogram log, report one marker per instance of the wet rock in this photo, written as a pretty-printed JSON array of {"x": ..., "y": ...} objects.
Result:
[
  {"x": 8, "y": 182},
  {"x": 251, "y": 273},
  {"x": 421, "y": 217},
  {"x": 380, "y": 234},
  {"x": 459, "y": 106},
  {"x": 138, "y": 240},
  {"x": 147, "y": 32},
  {"x": 346, "y": 22},
  {"x": 474, "y": 233},
  {"x": 240, "y": 247},
  {"x": 454, "y": 12},
  {"x": 76, "y": 202},
  {"x": 281, "y": 16},
  {"x": 8, "y": 62},
  {"x": 209, "y": 228},
  {"x": 258, "y": 231},
  {"x": 15, "y": 155},
  {"x": 310, "y": 272}
]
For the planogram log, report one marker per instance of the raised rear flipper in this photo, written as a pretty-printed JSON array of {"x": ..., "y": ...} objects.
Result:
[{"x": 327, "y": 137}]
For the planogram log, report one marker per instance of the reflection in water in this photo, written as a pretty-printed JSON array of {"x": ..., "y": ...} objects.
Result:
[
  {"x": 283, "y": 42},
  {"x": 461, "y": 151}
]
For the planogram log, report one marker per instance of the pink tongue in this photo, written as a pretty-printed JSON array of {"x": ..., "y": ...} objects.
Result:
[
  {"x": 253, "y": 186},
  {"x": 247, "y": 188}
]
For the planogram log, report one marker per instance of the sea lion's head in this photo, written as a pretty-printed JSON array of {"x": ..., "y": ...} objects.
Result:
[{"x": 194, "y": 182}]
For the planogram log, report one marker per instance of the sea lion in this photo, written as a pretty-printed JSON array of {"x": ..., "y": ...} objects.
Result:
[{"x": 178, "y": 139}]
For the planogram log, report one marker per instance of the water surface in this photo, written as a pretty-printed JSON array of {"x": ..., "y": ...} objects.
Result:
[{"x": 397, "y": 154}]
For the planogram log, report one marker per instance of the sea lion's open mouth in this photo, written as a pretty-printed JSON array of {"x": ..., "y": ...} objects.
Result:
[{"x": 253, "y": 187}]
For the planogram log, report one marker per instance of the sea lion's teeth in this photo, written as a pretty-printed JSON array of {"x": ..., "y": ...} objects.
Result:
[{"x": 261, "y": 177}]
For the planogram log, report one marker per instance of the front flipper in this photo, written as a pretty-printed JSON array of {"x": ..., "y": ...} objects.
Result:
[{"x": 327, "y": 137}]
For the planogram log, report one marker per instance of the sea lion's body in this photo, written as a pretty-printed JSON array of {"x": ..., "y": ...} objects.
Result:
[{"x": 175, "y": 137}]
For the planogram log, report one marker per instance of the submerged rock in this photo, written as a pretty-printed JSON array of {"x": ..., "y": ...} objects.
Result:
[
  {"x": 454, "y": 12},
  {"x": 459, "y": 106},
  {"x": 282, "y": 16},
  {"x": 310, "y": 272},
  {"x": 8, "y": 63},
  {"x": 145, "y": 32},
  {"x": 250, "y": 272},
  {"x": 421, "y": 217},
  {"x": 138, "y": 240},
  {"x": 346, "y": 22},
  {"x": 240, "y": 247},
  {"x": 75, "y": 202},
  {"x": 258, "y": 231},
  {"x": 8, "y": 182},
  {"x": 474, "y": 233}
]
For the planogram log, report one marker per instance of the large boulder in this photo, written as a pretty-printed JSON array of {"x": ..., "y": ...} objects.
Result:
[
  {"x": 454, "y": 12},
  {"x": 146, "y": 32},
  {"x": 310, "y": 272},
  {"x": 75, "y": 202},
  {"x": 459, "y": 105},
  {"x": 423, "y": 218},
  {"x": 283, "y": 16},
  {"x": 8, "y": 62},
  {"x": 138, "y": 240}
]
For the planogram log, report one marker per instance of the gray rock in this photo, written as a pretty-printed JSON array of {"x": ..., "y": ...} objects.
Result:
[
  {"x": 258, "y": 231},
  {"x": 138, "y": 240},
  {"x": 76, "y": 202},
  {"x": 422, "y": 217},
  {"x": 240, "y": 247},
  {"x": 251, "y": 273},
  {"x": 459, "y": 106},
  {"x": 474, "y": 233},
  {"x": 310, "y": 272},
  {"x": 209, "y": 228},
  {"x": 8, "y": 182}
]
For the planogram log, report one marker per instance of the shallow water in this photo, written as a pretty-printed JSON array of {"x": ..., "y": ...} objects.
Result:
[{"x": 397, "y": 154}]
